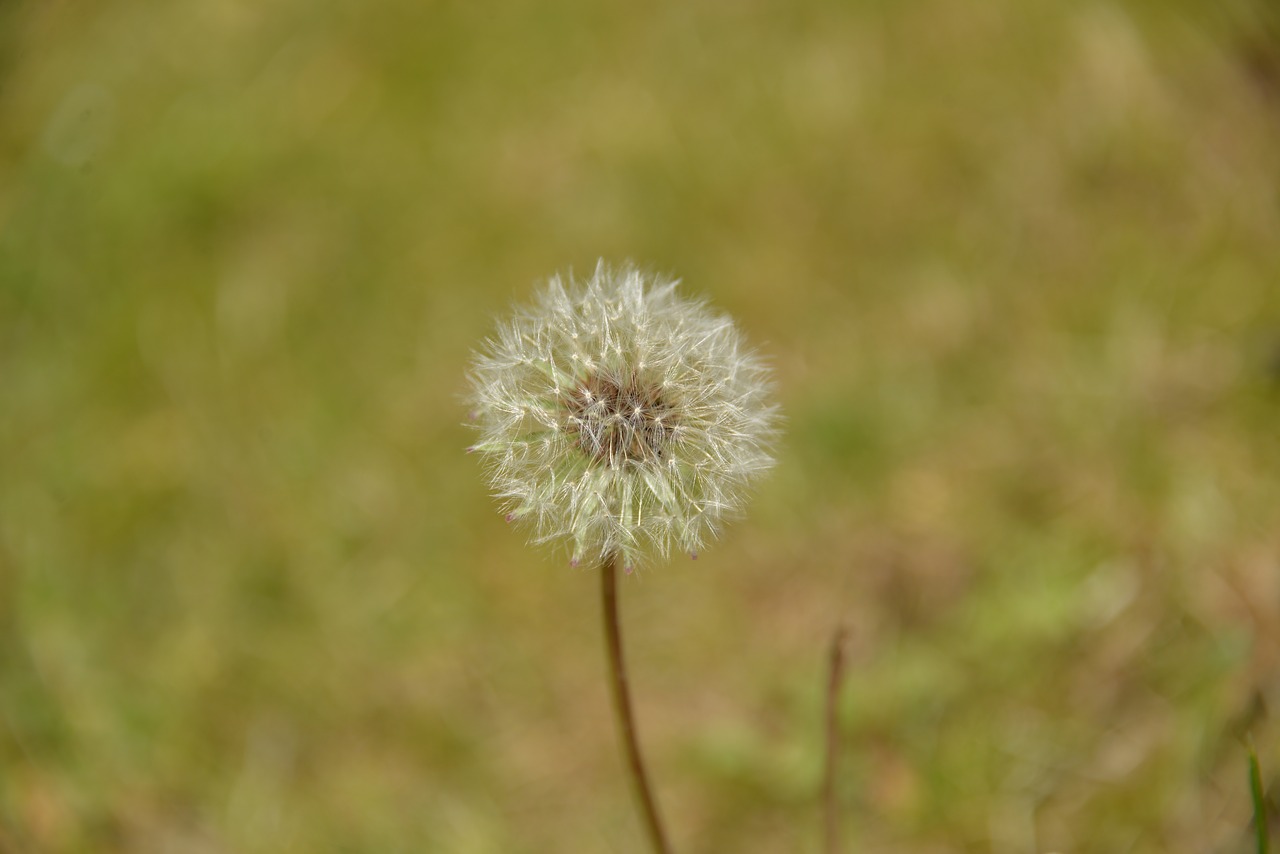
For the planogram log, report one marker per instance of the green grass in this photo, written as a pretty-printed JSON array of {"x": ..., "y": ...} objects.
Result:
[{"x": 1018, "y": 269}]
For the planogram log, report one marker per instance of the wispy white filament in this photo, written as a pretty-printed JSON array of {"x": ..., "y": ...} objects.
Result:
[{"x": 620, "y": 418}]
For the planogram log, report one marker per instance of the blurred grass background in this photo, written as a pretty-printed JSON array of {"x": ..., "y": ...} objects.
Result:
[{"x": 1016, "y": 264}]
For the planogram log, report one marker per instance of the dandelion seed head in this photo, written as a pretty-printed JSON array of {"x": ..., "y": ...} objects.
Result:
[{"x": 619, "y": 418}]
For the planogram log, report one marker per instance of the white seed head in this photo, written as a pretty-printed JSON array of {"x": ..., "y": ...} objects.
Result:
[{"x": 619, "y": 418}]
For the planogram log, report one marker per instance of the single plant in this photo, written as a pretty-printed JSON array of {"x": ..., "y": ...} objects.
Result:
[{"x": 624, "y": 421}]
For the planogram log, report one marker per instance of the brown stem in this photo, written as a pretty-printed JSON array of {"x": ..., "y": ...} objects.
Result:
[
  {"x": 622, "y": 705},
  {"x": 835, "y": 675}
]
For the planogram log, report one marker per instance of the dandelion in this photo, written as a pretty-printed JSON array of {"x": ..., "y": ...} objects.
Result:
[
  {"x": 623, "y": 420},
  {"x": 620, "y": 418}
]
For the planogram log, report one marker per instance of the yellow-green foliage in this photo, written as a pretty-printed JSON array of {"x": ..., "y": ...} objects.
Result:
[{"x": 1016, "y": 266}]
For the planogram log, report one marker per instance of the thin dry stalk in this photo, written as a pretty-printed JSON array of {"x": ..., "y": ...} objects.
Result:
[{"x": 622, "y": 706}]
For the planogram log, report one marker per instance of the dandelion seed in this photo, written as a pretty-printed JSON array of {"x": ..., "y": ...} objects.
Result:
[{"x": 621, "y": 419}]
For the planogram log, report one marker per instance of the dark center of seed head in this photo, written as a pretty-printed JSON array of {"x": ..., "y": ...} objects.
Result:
[{"x": 615, "y": 419}]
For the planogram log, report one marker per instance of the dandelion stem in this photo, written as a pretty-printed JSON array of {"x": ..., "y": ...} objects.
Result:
[
  {"x": 835, "y": 675},
  {"x": 622, "y": 706}
]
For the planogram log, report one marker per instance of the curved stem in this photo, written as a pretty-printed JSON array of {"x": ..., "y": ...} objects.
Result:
[{"x": 622, "y": 706}]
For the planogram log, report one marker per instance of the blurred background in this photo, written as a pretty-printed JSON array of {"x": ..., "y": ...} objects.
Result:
[{"x": 1017, "y": 265}]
